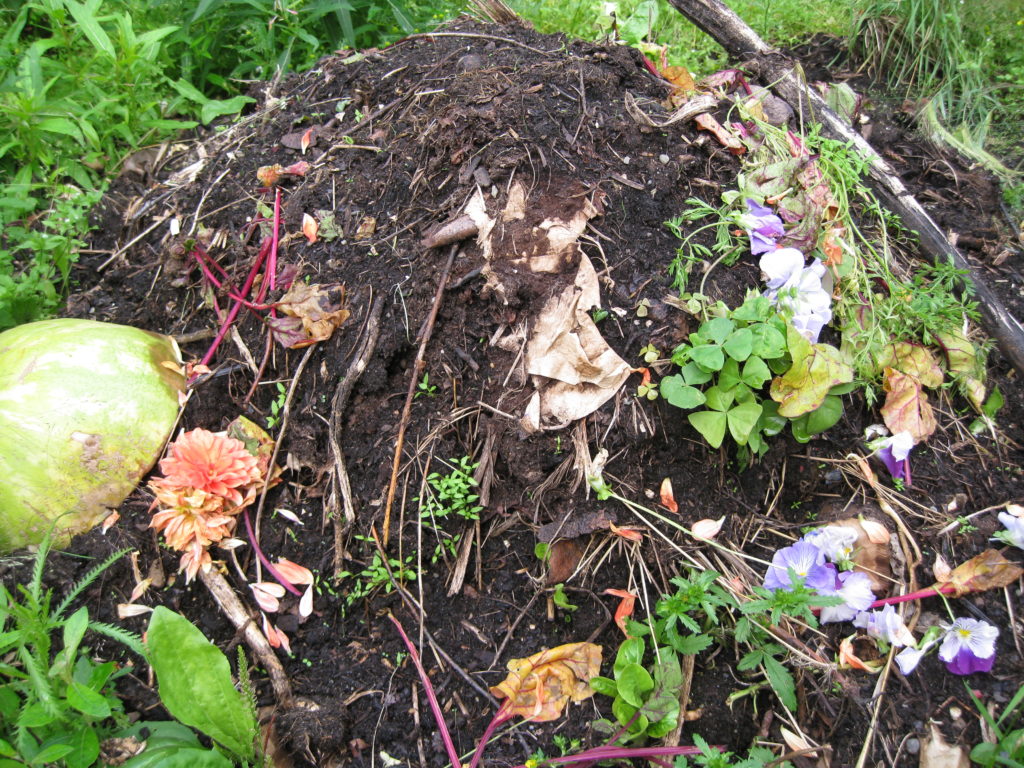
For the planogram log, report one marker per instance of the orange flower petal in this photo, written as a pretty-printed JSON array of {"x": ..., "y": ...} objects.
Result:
[
  {"x": 631, "y": 534},
  {"x": 625, "y": 608},
  {"x": 293, "y": 572},
  {"x": 705, "y": 530},
  {"x": 667, "y": 499}
]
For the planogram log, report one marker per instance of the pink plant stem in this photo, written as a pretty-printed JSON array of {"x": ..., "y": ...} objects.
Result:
[
  {"x": 263, "y": 558},
  {"x": 275, "y": 235},
  {"x": 233, "y": 312},
  {"x": 446, "y": 737},
  {"x": 945, "y": 589},
  {"x": 609, "y": 752}
]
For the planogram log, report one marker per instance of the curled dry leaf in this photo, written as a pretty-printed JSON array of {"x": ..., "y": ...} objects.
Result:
[
  {"x": 366, "y": 228},
  {"x": 937, "y": 753},
  {"x": 293, "y": 572},
  {"x": 306, "y": 140},
  {"x": 667, "y": 499},
  {"x": 627, "y": 601},
  {"x": 563, "y": 557},
  {"x": 287, "y": 514},
  {"x": 538, "y": 687},
  {"x": 109, "y": 521},
  {"x": 318, "y": 308},
  {"x": 989, "y": 570},
  {"x": 705, "y": 530},
  {"x": 906, "y": 406},
  {"x": 941, "y": 570},
  {"x": 309, "y": 227},
  {"x": 128, "y": 610},
  {"x": 848, "y": 658},
  {"x": 630, "y": 534},
  {"x": 725, "y": 137},
  {"x": 140, "y": 589},
  {"x": 797, "y": 743}
]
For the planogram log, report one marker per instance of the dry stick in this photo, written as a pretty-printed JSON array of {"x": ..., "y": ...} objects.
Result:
[
  {"x": 741, "y": 42},
  {"x": 232, "y": 607},
  {"x": 338, "y": 404},
  {"x": 417, "y": 369}
]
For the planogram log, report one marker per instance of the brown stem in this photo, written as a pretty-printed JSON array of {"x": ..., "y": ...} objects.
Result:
[{"x": 417, "y": 369}]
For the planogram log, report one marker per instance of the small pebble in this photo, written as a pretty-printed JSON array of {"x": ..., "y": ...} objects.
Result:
[
  {"x": 913, "y": 746},
  {"x": 664, "y": 159}
]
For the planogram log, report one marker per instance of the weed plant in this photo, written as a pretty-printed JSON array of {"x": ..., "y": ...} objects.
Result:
[{"x": 56, "y": 706}]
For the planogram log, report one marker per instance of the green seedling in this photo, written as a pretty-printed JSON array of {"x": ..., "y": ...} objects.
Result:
[
  {"x": 424, "y": 387},
  {"x": 561, "y": 600},
  {"x": 276, "y": 406}
]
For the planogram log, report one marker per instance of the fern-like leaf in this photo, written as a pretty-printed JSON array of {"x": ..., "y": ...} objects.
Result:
[
  {"x": 41, "y": 685},
  {"x": 85, "y": 581},
  {"x": 123, "y": 636}
]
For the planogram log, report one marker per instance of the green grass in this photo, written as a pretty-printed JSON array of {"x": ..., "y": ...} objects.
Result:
[
  {"x": 655, "y": 23},
  {"x": 83, "y": 83}
]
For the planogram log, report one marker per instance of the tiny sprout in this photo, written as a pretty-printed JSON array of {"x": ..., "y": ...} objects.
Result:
[{"x": 650, "y": 353}]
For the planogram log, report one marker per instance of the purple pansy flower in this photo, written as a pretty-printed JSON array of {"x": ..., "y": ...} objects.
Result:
[
  {"x": 855, "y": 589},
  {"x": 762, "y": 226},
  {"x": 895, "y": 454},
  {"x": 969, "y": 646},
  {"x": 1014, "y": 533},
  {"x": 804, "y": 559}
]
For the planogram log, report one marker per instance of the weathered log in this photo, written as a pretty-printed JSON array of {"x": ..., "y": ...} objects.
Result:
[{"x": 786, "y": 79}]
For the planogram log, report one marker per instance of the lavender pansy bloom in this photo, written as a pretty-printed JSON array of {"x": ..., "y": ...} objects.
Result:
[
  {"x": 762, "y": 226},
  {"x": 835, "y": 541},
  {"x": 909, "y": 658},
  {"x": 798, "y": 290},
  {"x": 969, "y": 646},
  {"x": 855, "y": 589},
  {"x": 806, "y": 561},
  {"x": 885, "y": 625},
  {"x": 1014, "y": 533},
  {"x": 895, "y": 454}
]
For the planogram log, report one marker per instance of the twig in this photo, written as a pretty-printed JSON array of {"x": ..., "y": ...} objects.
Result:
[
  {"x": 237, "y": 614},
  {"x": 417, "y": 369},
  {"x": 338, "y": 404},
  {"x": 130, "y": 243}
]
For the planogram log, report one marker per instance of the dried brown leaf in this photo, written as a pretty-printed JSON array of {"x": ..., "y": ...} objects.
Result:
[
  {"x": 725, "y": 137},
  {"x": 319, "y": 307},
  {"x": 906, "y": 406},
  {"x": 989, "y": 570}
]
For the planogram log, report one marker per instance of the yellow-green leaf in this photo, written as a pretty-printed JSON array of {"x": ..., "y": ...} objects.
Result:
[
  {"x": 538, "y": 687},
  {"x": 816, "y": 369},
  {"x": 913, "y": 360}
]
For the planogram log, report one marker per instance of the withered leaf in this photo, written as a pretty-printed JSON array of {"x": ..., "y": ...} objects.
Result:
[
  {"x": 989, "y": 570},
  {"x": 870, "y": 552},
  {"x": 320, "y": 308},
  {"x": 538, "y": 687},
  {"x": 906, "y": 406},
  {"x": 725, "y": 137},
  {"x": 913, "y": 360},
  {"x": 576, "y": 525},
  {"x": 563, "y": 557}
]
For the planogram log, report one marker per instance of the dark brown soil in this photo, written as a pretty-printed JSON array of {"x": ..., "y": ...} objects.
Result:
[{"x": 482, "y": 106}]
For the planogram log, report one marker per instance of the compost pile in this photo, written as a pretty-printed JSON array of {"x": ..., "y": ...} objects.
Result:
[{"x": 439, "y": 157}]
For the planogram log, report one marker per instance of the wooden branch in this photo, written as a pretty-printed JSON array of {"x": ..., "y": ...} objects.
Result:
[{"x": 786, "y": 78}]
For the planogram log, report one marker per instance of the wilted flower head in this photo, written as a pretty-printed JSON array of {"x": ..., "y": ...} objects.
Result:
[
  {"x": 854, "y": 587},
  {"x": 969, "y": 646},
  {"x": 885, "y": 625},
  {"x": 798, "y": 290},
  {"x": 209, "y": 462},
  {"x": 895, "y": 454},
  {"x": 835, "y": 541},
  {"x": 807, "y": 562},
  {"x": 762, "y": 226},
  {"x": 1014, "y": 533}
]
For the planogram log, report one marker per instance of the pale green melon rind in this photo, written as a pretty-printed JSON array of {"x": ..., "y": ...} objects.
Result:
[{"x": 85, "y": 409}]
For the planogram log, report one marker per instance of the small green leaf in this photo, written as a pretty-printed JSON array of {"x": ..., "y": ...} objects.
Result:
[
  {"x": 708, "y": 356},
  {"x": 51, "y": 754},
  {"x": 633, "y": 683},
  {"x": 35, "y": 716},
  {"x": 623, "y": 710},
  {"x": 742, "y": 419},
  {"x": 85, "y": 748},
  {"x": 825, "y": 416},
  {"x": 214, "y": 109},
  {"x": 91, "y": 28},
  {"x": 679, "y": 394},
  {"x": 753, "y": 309},
  {"x": 781, "y": 681},
  {"x": 993, "y": 404},
  {"x": 693, "y": 374},
  {"x": 711, "y": 425},
  {"x": 729, "y": 376},
  {"x": 755, "y": 372},
  {"x": 768, "y": 342},
  {"x": 74, "y": 630},
  {"x": 740, "y": 344},
  {"x": 719, "y": 399},
  {"x": 630, "y": 652},
  {"x": 604, "y": 686},
  {"x": 717, "y": 329},
  {"x": 87, "y": 701}
]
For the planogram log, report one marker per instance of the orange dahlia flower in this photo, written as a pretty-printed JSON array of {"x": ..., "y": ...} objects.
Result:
[{"x": 209, "y": 462}]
